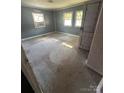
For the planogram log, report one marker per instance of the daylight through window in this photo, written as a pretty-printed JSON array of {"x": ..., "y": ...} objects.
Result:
[
  {"x": 38, "y": 20},
  {"x": 68, "y": 19},
  {"x": 79, "y": 15}
]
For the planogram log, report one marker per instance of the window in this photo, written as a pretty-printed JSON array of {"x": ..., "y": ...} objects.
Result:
[
  {"x": 68, "y": 19},
  {"x": 79, "y": 15},
  {"x": 38, "y": 20}
]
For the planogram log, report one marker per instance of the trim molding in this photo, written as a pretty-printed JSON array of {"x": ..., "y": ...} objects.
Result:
[
  {"x": 90, "y": 67},
  {"x": 69, "y": 34},
  {"x": 36, "y": 36},
  {"x": 48, "y": 34},
  {"x": 94, "y": 69}
]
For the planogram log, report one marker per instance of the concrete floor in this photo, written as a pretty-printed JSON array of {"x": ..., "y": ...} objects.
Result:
[{"x": 59, "y": 65}]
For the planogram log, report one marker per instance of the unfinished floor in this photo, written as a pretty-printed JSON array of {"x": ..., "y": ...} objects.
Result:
[{"x": 59, "y": 65}]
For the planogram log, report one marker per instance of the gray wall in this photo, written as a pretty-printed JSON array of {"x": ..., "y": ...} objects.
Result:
[
  {"x": 54, "y": 21},
  {"x": 60, "y": 22},
  {"x": 89, "y": 25},
  {"x": 27, "y": 25},
  {"x": 95, "y": 57}
]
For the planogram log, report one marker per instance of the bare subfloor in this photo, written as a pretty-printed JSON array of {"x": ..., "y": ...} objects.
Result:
[{"x": 58, "y": 64}]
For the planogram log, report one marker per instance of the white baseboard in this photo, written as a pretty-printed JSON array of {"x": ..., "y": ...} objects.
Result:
[
  {"x": 68, "y": 34},
  {"x": 37, "y": 36},
  {"x": 93, "y": 68},
  {"x": 48, "y": 34}
]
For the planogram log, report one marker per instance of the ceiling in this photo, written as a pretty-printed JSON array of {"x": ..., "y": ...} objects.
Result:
[{"x": 51, "y": 4}]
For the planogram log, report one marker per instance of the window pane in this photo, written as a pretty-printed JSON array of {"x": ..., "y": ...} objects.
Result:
[
  {"x": 79, "y": 15},
  {"x": 68, "y": 19},
  {"x": 38, "y": 20},
  {"x": 38, "y": 17},
  {"x": 67, "y": 22},
  {"x": 78, "y": 23}
]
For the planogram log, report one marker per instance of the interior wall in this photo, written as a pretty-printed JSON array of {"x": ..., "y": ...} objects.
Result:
[
  {"x": 91, "y": 16},
  {"x": 27, "y": 24},
  {"x": 95, "y": 57},
  {"x": 60, "y": 22},
  {"x": 54, "y": 21}
]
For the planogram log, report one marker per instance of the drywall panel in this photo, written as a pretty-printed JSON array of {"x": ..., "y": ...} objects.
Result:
[
  {"x": 91, "y": 17},
  {"x": 95, "y": 57},
  {"x": 89, "y": 25}
]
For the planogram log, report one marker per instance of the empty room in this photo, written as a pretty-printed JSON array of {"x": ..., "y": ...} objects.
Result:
[{"x": 62, "y": 46}]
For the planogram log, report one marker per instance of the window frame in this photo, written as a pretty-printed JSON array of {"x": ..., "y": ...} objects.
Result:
[
  {"x": 70, "y": 19},
  {"x": 35, "y": 23},
  {"x": 76, "y": 18}
]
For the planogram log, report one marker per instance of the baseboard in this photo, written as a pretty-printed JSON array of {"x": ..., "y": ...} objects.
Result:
[
  {"x": 37, "y": 36},
  {"x": 90, "y": 67},
  {"x": 48, "y": 34},
  {"x": 69, "y": 34}
]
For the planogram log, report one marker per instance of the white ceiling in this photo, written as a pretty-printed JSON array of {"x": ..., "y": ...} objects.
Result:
[{"x": 51, "y": 5}]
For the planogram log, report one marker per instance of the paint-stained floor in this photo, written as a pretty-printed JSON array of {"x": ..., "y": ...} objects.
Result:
[{"x": 59, "y": 65}]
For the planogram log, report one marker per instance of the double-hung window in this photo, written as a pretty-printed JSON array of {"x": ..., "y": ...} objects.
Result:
[
  {"x": 79, "y": 15},
  {"x": 68, "y": 19},
  {"x": 38, "y": 20}
]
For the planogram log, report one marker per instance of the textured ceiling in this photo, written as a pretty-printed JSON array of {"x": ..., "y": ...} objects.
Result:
[{"x": 55, "y": 4}]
